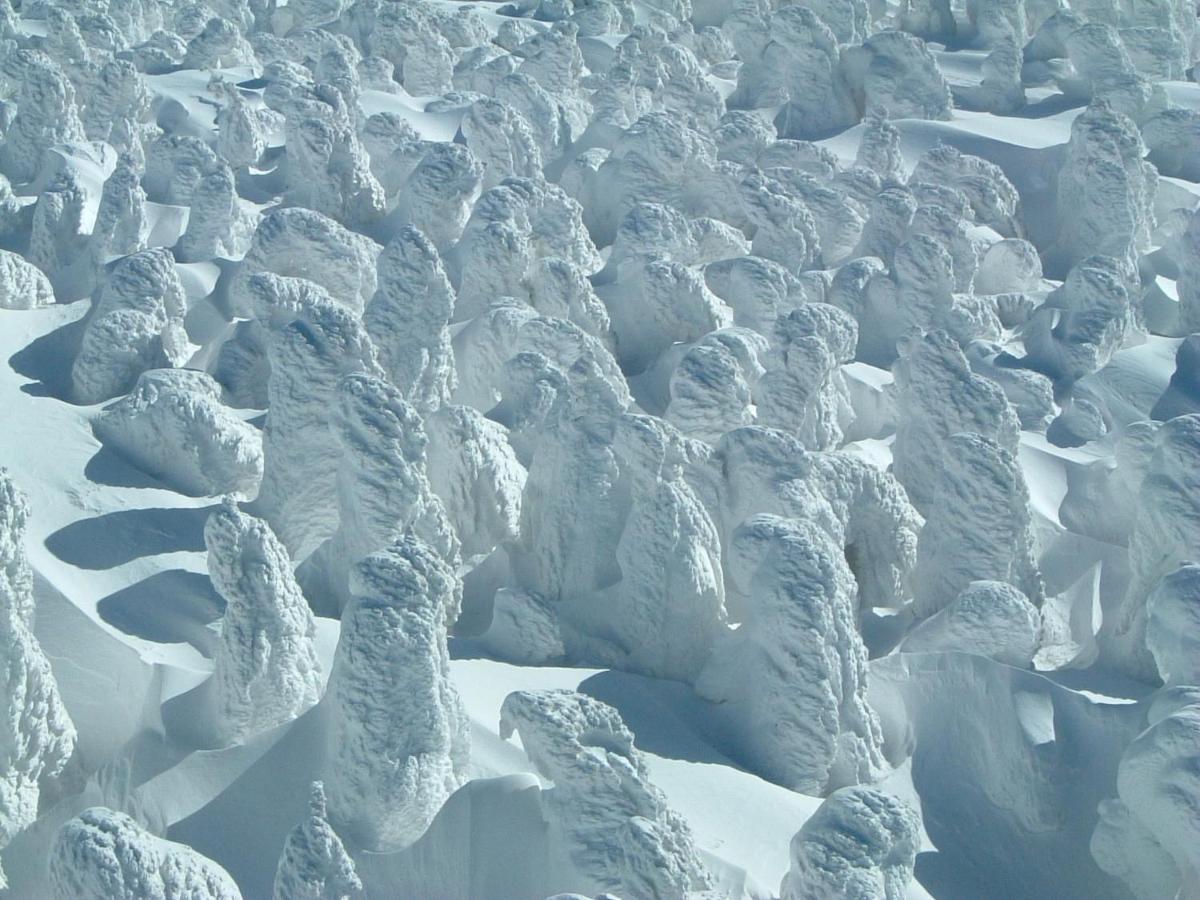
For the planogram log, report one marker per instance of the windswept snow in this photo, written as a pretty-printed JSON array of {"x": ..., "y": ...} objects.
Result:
[{"x": 651, "y": 449}]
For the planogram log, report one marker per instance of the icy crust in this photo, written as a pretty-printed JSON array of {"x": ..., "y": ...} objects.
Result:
[
  {"x": 174, "y": 426},
  {"x": 399, "y": 739},
  {"x": 314, "y": 864},
  {"x": 102, "y": 854},
  {"x": 265, "y": 669},
  {"x": 135, "y": 324},
  {"x": 860, "y": 843},
  {"x": 613, "y": 825},
  {"x": 798, "y": 638}
]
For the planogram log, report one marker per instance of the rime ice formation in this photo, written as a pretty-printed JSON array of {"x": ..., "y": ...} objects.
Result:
[
  {"x": 302, "y": 243},
  {"x": 474, "y": 471},
  {"x": 102, "y": 853},
  {"x": 218, "y": 226},
  {"x": 992, "y": 196},
  {"x": 668, "y": 606},
  {"x": 47, "y": 114},
  {"x": 382, "y": 489},
  {"x": 22, "y": 285},
  {"x": 711, "y": 388},
  {"x": 1173, "y": 626},
  {"x": 57, "y": 241},
  {"x": 38, "y": 737},
  {"x": 438, "y": 194},
  {"x": 407, "y": 319},
  {"x": 979, "y": 525},
  {"x": 309, "y": 357},
  {"x": 1105, "y": 190},
  {"x": 991, "y": 618},
  {"x": 121, "y": 226},
  {"x": 1182, "y": 394},
  {"x": 1154, "y": 848},
  {"x": 940, "y": 396},
  {"x": 399, "y": 738},
  {"x": 802, "y": 387},
  {"x": 894, "y": 73},
  {"x": 485, "y": 344},
  {"x": 799, "y": 630},
  {"x": 135, "y": 324},
  {"x": 265, "y": 669},
  {"x": 818, "y": 383},
  {"x": 613, "y": 824},
  {"x": 314, "y": 865},
  {"x": 792, "y": 56},
  {"x": 1189, "y": 295},
  {"x": 174, "y": 426},
  {"x": 1079, "y": 327},
  {"x": 860, "y": 843},
  {"x": 1163, "y": 537}
]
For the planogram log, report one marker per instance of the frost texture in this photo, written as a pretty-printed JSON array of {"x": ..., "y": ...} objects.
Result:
[
  {"x": 399, "y": 739},
  {"x": 407, "y": 319},
  {"x": 803, "y": 387},
  {"x": 314, "y": 865},
  {"x": 860, "y": 843},
  {"x": 309, "y": 357},
  {"x": 1157, "y": 790},
  {"x": 302, "y": 243},
  {"x": 102, "y": 854},
  {"x": 174, "y": 426},
  {"x": 1164, "y": 536},
  {"x": 798, "y": 639},
  {"x": 38, "y": 737},
  {"x": 990, "y": 618},
  {"x": 615, "y": 825},
  {"x": 136, "y": 324},
  {"x": 265, "y": 669},
  {"x": 22, "y": 285},
  {"x": 382, "y": 488}
]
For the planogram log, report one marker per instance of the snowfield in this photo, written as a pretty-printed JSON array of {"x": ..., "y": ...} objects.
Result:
[{"x": 639, "y": 449}]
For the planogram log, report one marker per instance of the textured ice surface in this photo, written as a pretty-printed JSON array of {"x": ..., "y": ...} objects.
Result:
[{"x": 666, "y": 449}]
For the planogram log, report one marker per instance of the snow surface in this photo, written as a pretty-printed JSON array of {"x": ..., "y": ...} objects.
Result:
[{"x": 751, "y": 447}]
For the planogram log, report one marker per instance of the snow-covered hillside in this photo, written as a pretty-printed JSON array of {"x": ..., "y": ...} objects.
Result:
[{"x": 651, "y": 449}]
